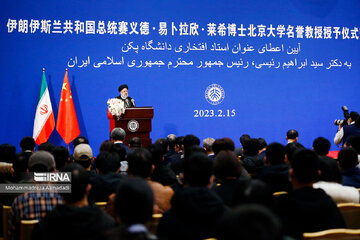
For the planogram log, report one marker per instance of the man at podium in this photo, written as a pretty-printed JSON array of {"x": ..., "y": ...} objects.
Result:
[{"x": 124, "y": 96}]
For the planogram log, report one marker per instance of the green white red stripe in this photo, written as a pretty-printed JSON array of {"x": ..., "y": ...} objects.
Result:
[{"x": 44, "y": 122}]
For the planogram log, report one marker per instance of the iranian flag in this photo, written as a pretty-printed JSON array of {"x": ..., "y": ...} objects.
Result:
[{"x": 44, "y": 122}]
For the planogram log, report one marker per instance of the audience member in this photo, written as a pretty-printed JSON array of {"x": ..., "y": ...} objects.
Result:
[
  {"x": 121, "y": 152},
  {"x": 135, "y": 142},
  {"x": 106, "y": 146},
  {"x": 62, "y": 157},
  {"x": 290, "y": 148},
  {"x": 117, "y": 135},
  {"x": 161, "y": 173},
  {"x": 75, "y": 218},
  {"x": 292, "y": 136},
  {"x": 348, "y": 160},
  {"x": 134, "y": 203},
  {"x": 307, "y": 209},
  {"x": 223, "y": 144},
  {"x": 106, "y": 181},
  {"x": 330, "y": 182},
  {"x": 227, "y": 171},
  {"x": 35, "y": 205},
  {"x": 27, "y": 144},
  {"x": 262, "y": 147},
  {"x": 207, "y": 145},
  {"x": 196, "y": 209},
  {"x": 46, "y": 146},
  {"x": 83, "y": 155},
  {"x": 250, "y": 222},
  {"x": 251, "y": 159},
  {"x": 171, "y": 156},
  {"x": 140, "y": 165},
  {"x": 80, "y": 140},
  {"x": 276, "y": 171},
  {"x": 243, "y": 138}
]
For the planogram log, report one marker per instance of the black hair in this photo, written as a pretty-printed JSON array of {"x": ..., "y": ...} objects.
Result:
[
  {"x": 135, "y": 142},
  {"x": 163, "y": 143},
  {"x": 226, "y": 164},
  {"x": 119, "y": 150},
  {"x": 321, "y": 146},
  {"x": 27, "y": 143},
  {"x": 251, "y": 147},
  {"x": 20, "y": 164},
  {"x": 290, "y": 148},
  {"x": 330, "y": 171},
  {"x": 348, "y": 158},
  {"x": 251, "y": 221},
  {"x": 7, "y": 153},
  {"x": 292, "y": 134},
  {"x": 157, "y": 153},
  {"x": 262, "y": 143},
  {"x": 80, "y": 140},
  {"x": 134, "y": 201},
  {"x": 79, "y": 182},
  {"x": 243, "y": 138},
  {"x": 140, "y": 163},
  {"x": 275, "y": 153},
  {"x": 61, "y": 156},
  {"x": 354, "y": 142},
  {"x": 223, "y": 144},
  {"x": 198, "y": 169},
  {"x": 107, "y": 162},
  {"x": 106, "y": 146},
  {"x": 190, "y": 140},
  {"x": 305, "y": 164},
  {"x": 46, "y": 146}
]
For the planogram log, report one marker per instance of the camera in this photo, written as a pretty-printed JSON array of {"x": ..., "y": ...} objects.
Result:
[{"x": 346, "y": 116}]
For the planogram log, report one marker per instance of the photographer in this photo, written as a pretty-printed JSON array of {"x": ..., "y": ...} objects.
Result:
[{"x": 352, "y": 129}]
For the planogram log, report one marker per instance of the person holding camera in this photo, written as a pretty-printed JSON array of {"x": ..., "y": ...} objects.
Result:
[{"x": 351, "y": 129}]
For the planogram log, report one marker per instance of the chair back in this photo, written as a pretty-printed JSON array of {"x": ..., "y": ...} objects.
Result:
[
  {"x": 101, "y": 204},
  {"x": 26, "y": 228},
  {"x": 6, "y": 218},
  {"x": 339, "y": 234},
  {"x": 153, "y": 223},
  {"x": 279, "y": 193},
  {"x": 351, "y": 214}
]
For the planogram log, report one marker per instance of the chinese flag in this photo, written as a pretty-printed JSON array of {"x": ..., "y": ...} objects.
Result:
[{"x": 67, "y": 124}]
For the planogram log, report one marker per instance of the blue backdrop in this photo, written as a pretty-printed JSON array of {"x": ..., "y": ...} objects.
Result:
[{"x": 209, "y": 68}]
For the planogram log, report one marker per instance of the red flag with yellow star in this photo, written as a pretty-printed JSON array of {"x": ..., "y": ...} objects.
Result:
[{"x": 67, "y": 124}]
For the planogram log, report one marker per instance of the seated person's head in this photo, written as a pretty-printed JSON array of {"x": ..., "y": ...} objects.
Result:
[
  {"x": 134, "y": 201},
  {"x": 41, "y": 161},
  {"x": 275, "y": 154},
  {"x": 189, "y": 141},
  {"x": 20, "y": 164},
  {"x": 107, "y": 162},
  {"x": 223, "y": 144},
  {"x": 251, "y": 147},
  {"x": 135, "y": 142},
  {"x": 140, "y": 163},
  {"x": 46, "y": 146},
  {"x": 106, "y": 146},
  {"x": 348, "y": 158},
  {"x": 157, "y": 153},
  {"x": 262, "y": 143},
  {"x": 80, "y": 140},
  {"x": 305, "y": 166},
  {"x": 321, "y": 146},
  {"x": 354, "y": 142},
  {"x": 117, "y": 134},
  {"x": 163, "y": 143},
  {"x": 7, "y": 153},
  {"x": 119, "y": 150},
  {"x": 83, "y": 155},
  {"x": 80, "y": 187},
  {"x": 62, "y": 156},
  {"x": 171, "y": 139},
  {"x": 292, "y": 135},
  {"x": 227, "y": 165},
  {"x": 330, "y": 171},
  {"x": 291, "y": 148},
  {"x": 250, "y": 222},
  {"x": 208, "y": 143},
  {"x": 198, "y": 170},
  {"x": 243, "y": 138},
  {"x": 27, "y": 144}
]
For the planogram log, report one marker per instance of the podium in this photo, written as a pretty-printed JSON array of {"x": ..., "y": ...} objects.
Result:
[{"x": 136, "y": 122}]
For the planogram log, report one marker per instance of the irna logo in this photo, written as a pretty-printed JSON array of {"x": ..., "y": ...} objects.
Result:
[{"x": 52, "y": 177}]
